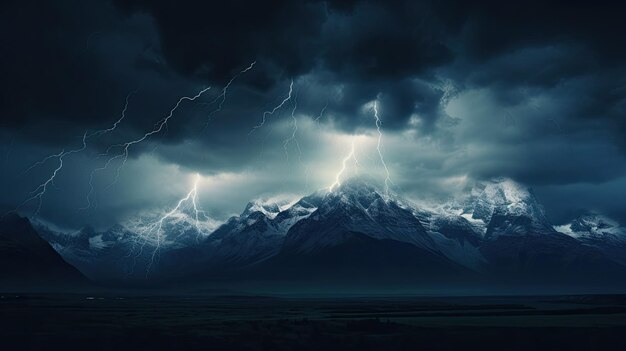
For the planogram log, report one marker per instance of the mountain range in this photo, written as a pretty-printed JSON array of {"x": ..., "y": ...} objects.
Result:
[{"x": 361, "y": 234}]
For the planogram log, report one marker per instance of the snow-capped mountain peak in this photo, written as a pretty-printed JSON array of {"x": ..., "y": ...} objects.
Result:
[
  {"x": 592, "y": 225},
  {"x": 268, "y": 207},
  {"x": 497, "y": 218},
  {"x": 505, "y": 207},
  {"x": 600, "y": 232},
  {"x": 358, "y": 205},
  {"x": 504, "y": 195}
]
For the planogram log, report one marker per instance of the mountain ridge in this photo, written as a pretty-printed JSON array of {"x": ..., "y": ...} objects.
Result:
[{"x": 499, "y": 232}]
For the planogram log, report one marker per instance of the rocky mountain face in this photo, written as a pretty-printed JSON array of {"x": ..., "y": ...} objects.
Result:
[
  {"x": 130, "y": 251},
  {"x": 259, "y": 232},
  {"x": 357, "y": 207},
  {"x": 506, "y": 208},
  {"x": 103, "y": 256},
  {"x": 600, "y": 232},
  {"x": 498, "y": 233}
]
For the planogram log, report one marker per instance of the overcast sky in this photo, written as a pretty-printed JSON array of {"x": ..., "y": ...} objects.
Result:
[{"x": 465, "y": 91}]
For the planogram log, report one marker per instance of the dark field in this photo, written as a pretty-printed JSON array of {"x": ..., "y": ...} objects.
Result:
[{"x": 155, "y": 322}]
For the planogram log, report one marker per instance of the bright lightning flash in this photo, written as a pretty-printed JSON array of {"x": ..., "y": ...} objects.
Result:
[
  {"x": 350, "y": 155},
  {"x": 271, "y": 112},
  {"x": 378, "y": 148},
  {"x": 154, "y": 232},
  {"x": 293, "y": 138},
  {"x": 158, "y": 127}
]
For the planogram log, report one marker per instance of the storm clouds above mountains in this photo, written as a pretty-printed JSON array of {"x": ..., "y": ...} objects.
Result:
[{"x": 534, "y": 91}]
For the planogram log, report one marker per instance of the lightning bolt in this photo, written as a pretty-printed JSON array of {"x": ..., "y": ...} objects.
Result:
[
  {"x": 122, "y": 116},
  {"x": 293, "y": 138},
  {"x": 158, "y": 127},
  {"x": 350, "y": 155},
  {"x": 222, "y": 95},
  {"x": 193, "y": 195},
  {"x": 378, "y": 146},
  {"x": 317, "y": 119},
  {"x": 39, "y": 192},
  {"x": 101, "y": 132},
  {"x": 155, "y": 230},
  {"x": 271, "y": 112}
]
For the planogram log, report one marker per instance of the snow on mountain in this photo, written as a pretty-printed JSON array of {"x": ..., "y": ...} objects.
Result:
[
  {"x": 129, "y": 248},
  {"x": 173, "y": 229},
  {"x": 358, "y": 206},
  {"x": 503, "y": 206},
  {"x": 269, "y": 207},
  {"x": 455, "y": 236},
  {"x": 592, "y": 226},
  {"x": 493, "y": 208},
  {"x": 501, "y": 192},
  {"x": 500, "y": 223},
  {"x": 297, "y": 211},
  {"x": 259, "y": 231},
  {"x": 97, "y": 254},
  {"x": 600, "y": 232}
]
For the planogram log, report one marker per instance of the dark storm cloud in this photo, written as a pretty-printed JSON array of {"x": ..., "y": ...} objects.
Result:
[
  {"x": 538, "y": 88},
  {"x": 47, "y": 66},
  {"x": 489, "y": 28},
  {"x": 69, "y": 66},
  {"x": 368, "y": 38},
  {"x": 534, "y": 47},
  {"x": 48, "y": 63},
  {"x": 369, "y": 48}
]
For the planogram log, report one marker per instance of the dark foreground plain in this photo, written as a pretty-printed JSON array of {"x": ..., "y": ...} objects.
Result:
[{"x": 118, "y": 321}]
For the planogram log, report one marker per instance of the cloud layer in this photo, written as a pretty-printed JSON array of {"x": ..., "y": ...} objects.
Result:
[{"x": 528, "y": 90}]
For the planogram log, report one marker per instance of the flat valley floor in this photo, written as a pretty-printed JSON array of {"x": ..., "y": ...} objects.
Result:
[{"x": 118, "y": 321}]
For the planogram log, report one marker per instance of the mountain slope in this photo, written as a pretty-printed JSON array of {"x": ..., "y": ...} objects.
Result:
[
  {"x": 28, "y": 260},
  {"x": 248, "y": 239},
  {"x": 359, "y": 259},
  {"x": 357, "y": 206},
  {"x": 599, "y": 232},
  {"x": 521, "y": 245},
  {"x": 358, "y": 235},
  {"x": 506, "y": 207},
  {"x": 109, "y": 255}
]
